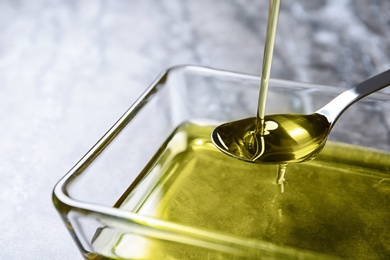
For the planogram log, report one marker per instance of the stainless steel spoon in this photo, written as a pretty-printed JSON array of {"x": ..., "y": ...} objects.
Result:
[{"x": 291, "y": 137}]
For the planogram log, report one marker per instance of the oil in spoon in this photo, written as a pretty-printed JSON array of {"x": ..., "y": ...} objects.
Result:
[{"x": 286, "y": 138}]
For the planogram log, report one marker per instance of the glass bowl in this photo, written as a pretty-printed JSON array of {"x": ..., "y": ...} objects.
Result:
[{"x": 154, "y": 186}]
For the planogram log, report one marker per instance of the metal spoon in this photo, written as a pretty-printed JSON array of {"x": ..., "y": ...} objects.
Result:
[{"x": 291, "y": 137}]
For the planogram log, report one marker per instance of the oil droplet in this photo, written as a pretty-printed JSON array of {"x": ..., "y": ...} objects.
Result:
[{"x": 280, "y": 179}]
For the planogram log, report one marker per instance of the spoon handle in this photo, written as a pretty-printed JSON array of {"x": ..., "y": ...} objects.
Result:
[{"x": 338, "y": 105}]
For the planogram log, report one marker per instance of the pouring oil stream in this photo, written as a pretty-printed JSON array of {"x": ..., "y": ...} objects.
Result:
[{"x": 259, "y": 131}]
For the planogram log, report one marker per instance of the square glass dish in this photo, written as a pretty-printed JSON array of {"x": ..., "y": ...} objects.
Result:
[{"x": 155, "y": 187}]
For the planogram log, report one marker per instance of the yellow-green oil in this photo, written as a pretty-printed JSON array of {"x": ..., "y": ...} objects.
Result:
[{"x": 337, "y": 204}]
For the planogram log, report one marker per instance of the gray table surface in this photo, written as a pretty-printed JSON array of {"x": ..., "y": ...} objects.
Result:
[{"x": 69, "y": 69}]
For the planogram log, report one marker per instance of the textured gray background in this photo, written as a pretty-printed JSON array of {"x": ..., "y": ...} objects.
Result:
[{"x": 69, "y": 69}]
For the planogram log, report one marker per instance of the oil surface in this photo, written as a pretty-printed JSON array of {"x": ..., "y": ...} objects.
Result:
[{"x": 337, "y": 204}]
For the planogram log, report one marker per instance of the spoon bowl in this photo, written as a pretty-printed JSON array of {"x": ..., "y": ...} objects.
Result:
[
  {"x": 287, "y": 138},
  {"x": 290, "y": 137}
]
